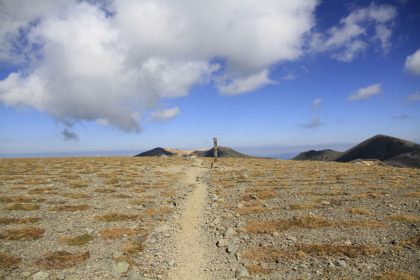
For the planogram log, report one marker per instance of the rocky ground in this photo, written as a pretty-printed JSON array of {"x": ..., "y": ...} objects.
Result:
[{"x": 175, "y": 218}]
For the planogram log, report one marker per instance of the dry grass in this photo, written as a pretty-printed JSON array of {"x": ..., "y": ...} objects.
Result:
[
  {"x": 368, "y": 224},
  {"x": 20, "y": 206},
  {"x": 7, "y": 261},
  {"x": 256, "y": 210},
  {"x": 403, "y": 218},
  {"x": 257, "y": 269},
  {"x": 112, "y": 233},
  {"x": 76, "y": 240},
  {"x": 133, "y": 247},
  {"x": 412, "y": 194},
  {"x": 411, "y": 241},
  {"x": 69, "y": 208},
  {"x": 105, "y": 190},
  {"x": 301, "y": 251},
  {"x": 281, "y": 225},
  {"x": 305, "y": 206},
  {"x": 78, "y": 185},
  {"x": 121, "y": 195},
  {"x": 22, "y": 233},
  {"x": 61, "y": 260},
  {"x": 359, "y": 211},
  {"x": 7, "y": 221},
  {"x": 44, "y": 190},
  {"x": 368, "y": 195},
  {"x": 393, "y": 275},
  {"x": 76, "y": 195},
  {"x": 115, "y": 216},
  {"x": 14, "y": 199}
]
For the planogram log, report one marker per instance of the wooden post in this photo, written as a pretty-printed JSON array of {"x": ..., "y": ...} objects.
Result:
[
  {"x": 215, "y": 164},
  {"x": 215, "y": 148}
]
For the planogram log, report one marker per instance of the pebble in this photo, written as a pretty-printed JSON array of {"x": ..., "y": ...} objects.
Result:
[
  {"x": 291, "y": 238},
  {"x": 26, "y": 274},
  {"x": 232, "y": 248},
  {"x": 120, "y": 267},
  {"x": 221, "y": 243},
  {"x": 133, "y": 275},
  {"x": 342, "y": 263},
  {"x": 41, "y": 275},
  {"x": 242, "y": 272},
  {"x": 61, "y": 276}
]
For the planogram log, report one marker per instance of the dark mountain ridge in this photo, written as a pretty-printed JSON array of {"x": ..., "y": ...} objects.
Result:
[
  {"x": 222, "y": 152},
  {"x": 393, "y": 151},
  {"x": 322, "y": 155}
]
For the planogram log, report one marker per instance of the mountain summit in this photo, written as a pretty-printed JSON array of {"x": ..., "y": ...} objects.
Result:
[
  {"x": 391, "y": 150},
  {"x": 222, "y": 152}
]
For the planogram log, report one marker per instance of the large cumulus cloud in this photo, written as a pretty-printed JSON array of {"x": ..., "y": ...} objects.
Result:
[{"x": 113, "y": 60}]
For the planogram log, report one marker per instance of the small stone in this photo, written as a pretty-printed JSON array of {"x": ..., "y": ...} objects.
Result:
[
  {"x": 117, "y": 254},
  {"x": 303, "y": 266},
  {"x": 133, "y": 275},
  {"x": 41, "y": 275},
  {"x": 90, "y": 231},
  {"x": 120, "y": 267},
  {"x": 232, "y": 248},
  {"x": 318, "y": 272},
  {"x": 276, "y": 234},
  {"x": 342, "y": 263},
  {"x": 26, "y": 274},
  {"x": 242, "y": 272},
  {"x": 325, "y": 202},
  {"x": 230, "y": 232},
  {"x": 221, "y": 243},
  {"x": 348, "y": 243},
  {"x": 171, "y": 263},
  {"x": 61, "y": 276},
  {"x": 291, "y": 238}
]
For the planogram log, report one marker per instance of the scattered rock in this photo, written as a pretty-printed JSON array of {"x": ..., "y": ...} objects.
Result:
[
  {"x": 342, "y": 263},
  {"x": 291, "y": 238},
  {"x": 232, "y": 248},
  {"x": 242, "y": 272},
  {"x": 120, "y": 267},
  {"x": 41, "y": 275},
  {"x": 133, "y": 275},
  {"x": 222, "y": 243}
]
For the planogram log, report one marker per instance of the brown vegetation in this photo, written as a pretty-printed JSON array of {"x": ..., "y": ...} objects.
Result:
[{"x": 61, "y": 260}]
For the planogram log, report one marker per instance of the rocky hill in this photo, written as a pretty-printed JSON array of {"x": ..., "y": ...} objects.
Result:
[
  {"x": 323, "y": 155},
  {"x": 222, "y": 152},
  {"x": 156, "y": 152},
  {"x": 391, "y": 150}
]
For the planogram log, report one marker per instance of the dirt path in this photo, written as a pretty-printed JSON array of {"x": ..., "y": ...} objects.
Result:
[{"x": 191, "y": 252}]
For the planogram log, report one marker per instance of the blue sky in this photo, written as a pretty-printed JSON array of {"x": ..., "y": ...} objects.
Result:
[{"x": 267, "y": 78}]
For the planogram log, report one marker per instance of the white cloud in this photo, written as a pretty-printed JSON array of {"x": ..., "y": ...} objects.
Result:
[
  {"x": 247, "y": 84},
  {"x": 290, "y": 77},
  {"x": 367, "y": 92},
  {"x": 316, "y": 103},
  {"x": 111, "y": 62},
  {"x": 356, "y": 32},
  {"x": 412, "y": 97},
  {"x": 166, "y": 114},
  {"x": 315, "y": 122},
  {"x": 412, "y": 63}
]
